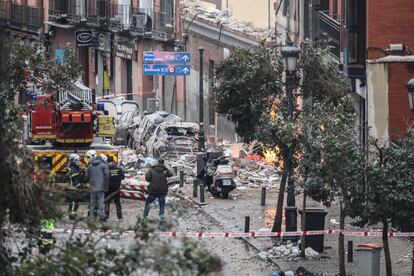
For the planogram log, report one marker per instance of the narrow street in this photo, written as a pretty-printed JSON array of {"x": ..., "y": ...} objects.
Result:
[{"x": 238, "y": 258}]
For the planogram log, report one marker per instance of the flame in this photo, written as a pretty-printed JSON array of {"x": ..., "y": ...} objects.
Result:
[{"x": 272, "y": 156}]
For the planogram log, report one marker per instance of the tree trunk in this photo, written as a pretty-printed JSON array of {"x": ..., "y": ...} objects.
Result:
[
  {"x": 277, "y": 224},
  {"x": 341, "y": 245},
  {"x": 303, "y": 226},
  {"x": 387, "y": 254}
]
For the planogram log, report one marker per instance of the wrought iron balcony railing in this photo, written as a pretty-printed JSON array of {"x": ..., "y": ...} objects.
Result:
[
  {"x": 329, "y": 24},
  {"x": 98, "y": 13}
]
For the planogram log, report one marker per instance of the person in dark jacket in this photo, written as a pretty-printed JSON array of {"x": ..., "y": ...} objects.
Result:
[
  {"x": 75, "y": 179},
  {"x": 98, "y": 176},
  {"x": 301, "y": 271},
  {"x": 158, "y": 187},
  {"x": 116, "y": 175}
]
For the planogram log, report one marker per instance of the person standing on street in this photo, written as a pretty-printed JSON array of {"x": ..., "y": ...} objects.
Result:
[
  {"x": 158, "y": 187},
  {"x": 98, "y": 176},
  {"x": 116, "y": 175},
  {"x": 75, "y": 179}
]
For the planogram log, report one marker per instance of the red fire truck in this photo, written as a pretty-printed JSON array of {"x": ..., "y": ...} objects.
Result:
[{"x": 68, "y": 122}]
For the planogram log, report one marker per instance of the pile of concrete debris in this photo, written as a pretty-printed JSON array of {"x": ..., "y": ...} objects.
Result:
[
  {"x": 249, "y": 173},
  {"x": 288, "y": 252},
  {"x": 194, "y": 7},
  {"x": 257, "y": 176}
]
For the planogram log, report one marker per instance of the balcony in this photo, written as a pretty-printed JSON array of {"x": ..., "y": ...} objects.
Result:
[
  {"x": 329, "y": 24},
  {"x": 119, "y": 17},
  {"x": 98, "y": 12},
  {"x": 4, "y": 12},
  {"x": 140, "y": 22},
  {"x": 70, "y": 11},
  {"x": 58, "y": 10},
  {"x": 158, "y": 28},
  {"x": 76, "y": 11},
  {"x": 21, "y": 17}
]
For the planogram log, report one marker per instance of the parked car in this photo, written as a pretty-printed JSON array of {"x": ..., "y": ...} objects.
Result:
[
  {"x": 123, "y": 126},
  {"x": 147, "y": 126},
  {"x": 173, "y": 139}
]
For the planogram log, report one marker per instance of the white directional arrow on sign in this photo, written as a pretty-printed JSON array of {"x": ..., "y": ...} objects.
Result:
[
  {"x": 185, "y": 58},
  {"x": 186, "y": 70}
]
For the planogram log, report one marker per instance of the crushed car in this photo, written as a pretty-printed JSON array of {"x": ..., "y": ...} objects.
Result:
[
  {"x": 173, "y": 139},
  {"x": 147, "y": 126},
  {"x": 124, "y": 126}
]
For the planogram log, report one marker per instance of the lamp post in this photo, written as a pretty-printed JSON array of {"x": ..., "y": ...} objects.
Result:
[
  {"x": 201, "y": 138},
  {"x": 290, "y": 55},
  {"x": 410, "y": 87}
]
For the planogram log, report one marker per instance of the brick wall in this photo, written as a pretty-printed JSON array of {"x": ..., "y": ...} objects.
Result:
[
  {"x": 390, "y": 22},
  {"x": 211, "y": 51},
  {"x": 400, "y": 115}
]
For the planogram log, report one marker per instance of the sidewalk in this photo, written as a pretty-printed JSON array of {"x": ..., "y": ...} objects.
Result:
[{"x": 244, "y": 202}]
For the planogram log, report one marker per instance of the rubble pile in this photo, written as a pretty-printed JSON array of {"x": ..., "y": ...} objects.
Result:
[
  {"x": 223, "y": 17},
  {"x": 257, "y": 176},
  {"x": 288, "y": 252},
  {"x": 250, "y": 173}
]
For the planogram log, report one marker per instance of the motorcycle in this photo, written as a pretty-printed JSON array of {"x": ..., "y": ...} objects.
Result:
[{"x": 219, "y": 177}]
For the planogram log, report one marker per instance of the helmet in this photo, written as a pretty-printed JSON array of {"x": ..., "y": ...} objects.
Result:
[
  {"x": 48, "y": 224},
  {"x": 74, "y": 158},
  {"x": 91, "y": 154},
  {"x": 103, "y": 157}
]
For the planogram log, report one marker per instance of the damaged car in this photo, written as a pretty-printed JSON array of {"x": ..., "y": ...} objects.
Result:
[
  {"x": 173, "y": 139},
  {"x": 147, "y": 126}
]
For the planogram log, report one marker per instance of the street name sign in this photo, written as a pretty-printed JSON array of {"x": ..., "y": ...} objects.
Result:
[
  {"x": 167, "y": 57},
  {"x": 167, "y": 69}
]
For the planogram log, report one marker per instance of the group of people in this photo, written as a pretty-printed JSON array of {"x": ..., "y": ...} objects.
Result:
[{"x": 104, "y": 177}]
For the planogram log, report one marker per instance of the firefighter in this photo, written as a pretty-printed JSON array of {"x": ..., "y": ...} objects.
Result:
[
  {"x": 116, "y": 175},
  {"x": 91, "y": 155},
  {"x": 75, "y": 178},
  {"x": 47, "y": 239}
]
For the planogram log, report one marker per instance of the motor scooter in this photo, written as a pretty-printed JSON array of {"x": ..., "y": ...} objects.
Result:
[{"x": 219, "y": 177}]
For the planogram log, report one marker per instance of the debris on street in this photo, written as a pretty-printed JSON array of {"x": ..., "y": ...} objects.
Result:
[{"x": 288, "y": 252}]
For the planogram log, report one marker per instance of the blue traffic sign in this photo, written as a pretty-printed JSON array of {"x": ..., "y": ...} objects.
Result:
[
  {"x": 167, "y": 57},
  {"x": 166, "y": 70}
]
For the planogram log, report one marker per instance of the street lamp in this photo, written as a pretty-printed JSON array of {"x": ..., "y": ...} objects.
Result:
[
  {"x": 290, "y": 55},
  {"x": 410, "y": 86}
]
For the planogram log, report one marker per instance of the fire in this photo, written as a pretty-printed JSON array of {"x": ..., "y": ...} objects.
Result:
[{"x": 272, "y": 156}]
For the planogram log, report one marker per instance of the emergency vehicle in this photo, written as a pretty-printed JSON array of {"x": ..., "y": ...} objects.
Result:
[{"x": 67, "y": 122}]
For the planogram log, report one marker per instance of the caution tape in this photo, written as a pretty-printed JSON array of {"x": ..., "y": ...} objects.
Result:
[{"x": 259, "y": 234}]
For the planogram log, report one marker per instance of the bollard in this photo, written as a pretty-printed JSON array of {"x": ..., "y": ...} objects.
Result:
[
  {"x": 246, "y": 224},
  {"x": 195, "y": 184},
  {"x": 263, "y": 197},
  {"x": 175, "y": 170},
  {"x": 350, "y": 252},
  {"x": 202, "y": 199},
  {"x": 181, "y": 178}
]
